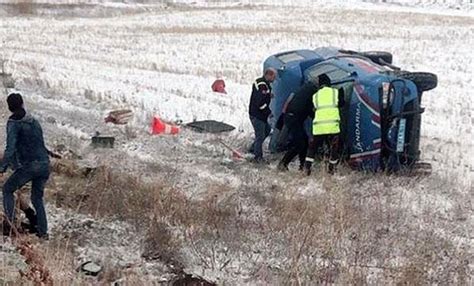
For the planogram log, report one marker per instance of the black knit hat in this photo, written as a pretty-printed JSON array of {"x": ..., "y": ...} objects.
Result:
[{"x": 15, "y": 102}]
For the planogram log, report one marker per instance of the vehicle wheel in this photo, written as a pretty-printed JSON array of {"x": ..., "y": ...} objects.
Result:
[
  {"x": 424, "y": 81},
  {"x": 378, "y": 57}
]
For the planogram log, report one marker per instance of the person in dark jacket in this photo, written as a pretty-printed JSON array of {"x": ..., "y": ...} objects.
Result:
[
  {"x": 299, "y": 108},
  {"x": 259, "y": 111},
  {"x": 26, "y": 153},
  {"x": 281, "y": 130}
]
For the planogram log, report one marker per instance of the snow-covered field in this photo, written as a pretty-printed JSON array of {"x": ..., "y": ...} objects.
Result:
[{"x": 73, "y": 70}]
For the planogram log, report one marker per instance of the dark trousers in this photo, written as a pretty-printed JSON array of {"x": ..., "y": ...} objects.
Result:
[
  {"x": 299, "y": 143},
  {"x": 262, "y": 130},
  {"x": 37, "y": 173},
  {"x": 318, "y": 141}
]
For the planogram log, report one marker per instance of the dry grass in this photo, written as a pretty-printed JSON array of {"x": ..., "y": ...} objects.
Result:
[
  {"x": 25, "y": 7},
  {"x": 45, "y": 264},
  {"x": 339, "y": 236}
]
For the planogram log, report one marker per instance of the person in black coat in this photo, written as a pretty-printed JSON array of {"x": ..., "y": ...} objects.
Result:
[
  {"x": 299, "y": 108},
  {"x": 259, "y": 111},
  {"x": 26, "y": 153}
]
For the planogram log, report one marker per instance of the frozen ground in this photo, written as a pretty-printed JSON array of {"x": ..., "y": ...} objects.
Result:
[{"x": 73, "y": 70}]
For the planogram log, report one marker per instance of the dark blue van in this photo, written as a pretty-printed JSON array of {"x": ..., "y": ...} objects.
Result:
[{"x": 381, "y": 120}]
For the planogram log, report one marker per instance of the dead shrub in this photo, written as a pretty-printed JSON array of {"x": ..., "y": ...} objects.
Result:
[
  {"x": 161, "y": 244},
  {"x": 109, "y": 275},
  {"x": 315, "y": 228},
  {"x": 104, "y": 193},
  {"x": 215, "y": 209},
  {"x": 411, "y": 274},
  {"x": 25, "y": 7},
  {"x": 37, "y": 271},
  {"x": 215, "y": 231},
  {"x": 337, "y": 236}
]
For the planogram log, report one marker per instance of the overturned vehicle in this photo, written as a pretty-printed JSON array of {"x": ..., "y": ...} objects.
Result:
[{"x": 380, "y": 122}]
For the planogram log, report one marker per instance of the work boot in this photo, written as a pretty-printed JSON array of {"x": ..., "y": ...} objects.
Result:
[
  {"x": 259, "y": 161},
  {"x": 301, "y": 166},
  {"x": 27, "y": 228},
  {"x": 43, "y": 237},
  {"x": 307, "y": 168},
  {"x": 285, "y": 161},
  {"x": 6, "y": 228},
  {"x": 331, "y": 169},
  {"x": 282, "y": 167},
  {"x": 332, "y": 166},
  {"x": 32, "y": 227},
  {"x": 250, "y": 149}
]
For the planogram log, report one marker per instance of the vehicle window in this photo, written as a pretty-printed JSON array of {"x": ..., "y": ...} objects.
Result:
[
  {"x": 290, "y": 57},
  {"x": 366, "y": 65},
  {"x": 337, "y": 75},
  {"x": 334, "y": 73}
]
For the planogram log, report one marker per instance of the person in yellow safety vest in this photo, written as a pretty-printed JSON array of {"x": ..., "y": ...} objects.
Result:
[{"x": 326, "y": 123}]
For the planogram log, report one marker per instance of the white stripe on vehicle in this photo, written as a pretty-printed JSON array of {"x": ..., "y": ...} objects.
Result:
[
  {"x": 376, "y": 124},
  {"x": 373, "y": 152},
  {"x": 366, "y": 104}
]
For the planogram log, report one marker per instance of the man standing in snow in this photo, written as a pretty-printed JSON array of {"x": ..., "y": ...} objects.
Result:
[
  {"x": 326, "y": 123},
  {"x": 26, "y": 153},
  {"x": 259, "y": 111},
  {"x": 299, "y": 108}
]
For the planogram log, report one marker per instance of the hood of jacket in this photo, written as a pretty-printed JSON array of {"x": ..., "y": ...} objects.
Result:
[{"x": 21, "y": 116}]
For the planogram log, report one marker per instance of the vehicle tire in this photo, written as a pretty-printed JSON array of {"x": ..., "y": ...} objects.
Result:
[
  {"x": 424, "y": 81},
  {"x": 378, "y": 57}
]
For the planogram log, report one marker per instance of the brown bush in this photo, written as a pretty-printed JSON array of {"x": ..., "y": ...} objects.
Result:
[
  {"x": 25, "y": 7},
  {"x": 339, "y": 235},
  {"x": 161, "y": 244}
]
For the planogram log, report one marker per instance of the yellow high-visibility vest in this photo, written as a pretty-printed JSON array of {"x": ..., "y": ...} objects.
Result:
[{"x": 326, "y": 117}]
